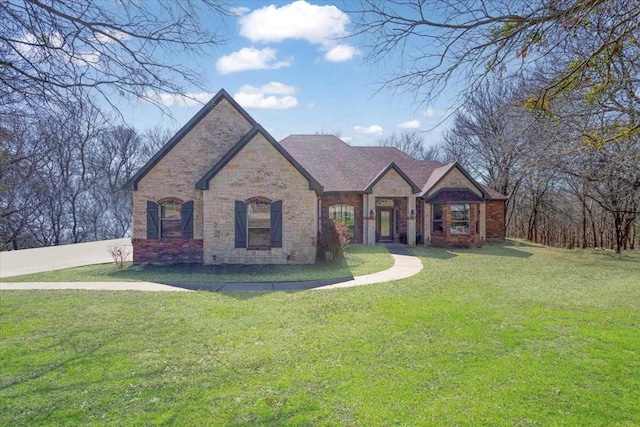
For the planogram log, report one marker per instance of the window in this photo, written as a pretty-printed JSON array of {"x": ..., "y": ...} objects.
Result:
[
  {"x": 258, "y": 223},
  {"x": 478, "y": 218},
  {"x": 436, "y": 222},
  {"x": 169, "y": 218},
  {"x": 460, "y": 216},
  {"x": 344, "y": 213}
]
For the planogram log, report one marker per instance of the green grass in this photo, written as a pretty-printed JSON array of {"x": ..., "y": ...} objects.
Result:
[
  {"x": 510, "y": 334},
  {"x": 359, "y": 260}
]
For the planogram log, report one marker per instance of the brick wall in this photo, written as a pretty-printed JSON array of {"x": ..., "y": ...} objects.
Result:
[
  {"x": 495, "y": 219},
  {"x": 260, "y": 170},
  {"x": 446, "y": 238},
  {"x": 167, "y": 251},
  {"x": 353, "y": 199}
]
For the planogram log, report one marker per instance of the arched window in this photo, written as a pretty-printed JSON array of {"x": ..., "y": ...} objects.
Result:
[
  {"x": 169, "y": 218},
  {"x": 344, "y": 213}
]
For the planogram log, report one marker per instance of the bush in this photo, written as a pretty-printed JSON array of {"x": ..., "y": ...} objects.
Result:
[
  {"x": 120, "y": 255},
  {"x": 332, "y": 240}
]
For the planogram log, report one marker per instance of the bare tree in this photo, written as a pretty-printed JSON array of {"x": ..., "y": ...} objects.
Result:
[
  {"x": 409, "y": 142},
  {"x": 593, "y": 44},
  {"x": 63, "y": 50}
]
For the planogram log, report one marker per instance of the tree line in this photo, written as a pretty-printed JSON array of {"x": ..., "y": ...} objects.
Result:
[{"x": 62, "y": 174}]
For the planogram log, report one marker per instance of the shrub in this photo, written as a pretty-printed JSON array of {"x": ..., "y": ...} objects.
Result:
[
  {"x": 120, "y": 255},
  {"x": 332, "y": 240}
]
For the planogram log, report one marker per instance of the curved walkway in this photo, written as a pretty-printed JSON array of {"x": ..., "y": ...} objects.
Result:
[{"x": 406, "y": 264}]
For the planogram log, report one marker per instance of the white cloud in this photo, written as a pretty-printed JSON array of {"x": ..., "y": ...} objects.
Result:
[
  {"x": 274, "y": 96},
  {"x": 429, "y": 112},
  {"x": 186, "y": 100},
  {"x": 239, "y": 11},
  {"x": 411, "y": 124},
  {"x": 368, "y": 130},
  {"x": 311, "y": 105},
  {"x": 346, "y": 139},
  {"x": 340, "y": 53},
  {"x": 250, "y": 58},
  {"x": 297, "y": 20}
]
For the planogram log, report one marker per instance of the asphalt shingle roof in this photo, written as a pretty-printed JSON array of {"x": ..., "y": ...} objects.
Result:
[{"x": 337, "y": 166}]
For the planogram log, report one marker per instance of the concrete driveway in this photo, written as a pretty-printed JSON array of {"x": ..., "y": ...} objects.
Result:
[{"x": 25, "y": 261}]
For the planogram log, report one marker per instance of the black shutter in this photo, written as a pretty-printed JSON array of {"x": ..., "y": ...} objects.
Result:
[
  {"x": 241, "y": 224},
  {"x": 276, "y": 224},
  {"x": 152, "y": 220},
  {"x": 187, "y": 220}
]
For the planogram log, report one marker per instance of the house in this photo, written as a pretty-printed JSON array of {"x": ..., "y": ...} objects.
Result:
[{"x": 222, "y": 190}]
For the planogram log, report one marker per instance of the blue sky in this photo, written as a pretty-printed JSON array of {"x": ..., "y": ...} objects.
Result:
[{"x": 294, "y": 68}]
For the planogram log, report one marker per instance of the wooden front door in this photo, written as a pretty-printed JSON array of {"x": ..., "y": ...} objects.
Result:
[{"x": 384, "y": 224}]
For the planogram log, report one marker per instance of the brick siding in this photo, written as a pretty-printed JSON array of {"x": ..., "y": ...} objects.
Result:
[
  {"x": 495, "y": 219},
  {"x": 167, "y": 251},
  {"x": 446, "y": 238}
]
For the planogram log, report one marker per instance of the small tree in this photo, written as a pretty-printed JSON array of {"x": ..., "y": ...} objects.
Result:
[{"x": 333, "y": 239}]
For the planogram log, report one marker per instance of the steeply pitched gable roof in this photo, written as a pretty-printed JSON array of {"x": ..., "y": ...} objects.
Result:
[
  {"x": 439, "y": 173},
  {"x": 132, "y": 184},
  {"x": 203, "y": 184},
  {"x": 335, "y": 164},
  {"x": 418, "y": 170},
  {"x": 414, "y": 187}
]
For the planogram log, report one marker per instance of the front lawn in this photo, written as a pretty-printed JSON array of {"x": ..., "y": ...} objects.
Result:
[
  {"x": 511, "y": 334},
  {"x": 359, "y": 260}
]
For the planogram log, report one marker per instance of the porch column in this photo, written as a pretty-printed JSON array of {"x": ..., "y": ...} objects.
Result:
[
  {"x": 411, "y": 221},
  {"x": 426, "y": 223},
  {"x": 370, "y": 223},
  {"x": 483, "y": 221}
]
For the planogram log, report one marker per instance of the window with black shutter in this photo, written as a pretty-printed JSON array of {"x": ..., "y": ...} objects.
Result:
[{"x": 258, "y": 223}]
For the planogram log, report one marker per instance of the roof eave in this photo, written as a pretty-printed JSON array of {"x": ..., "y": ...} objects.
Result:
[
  {"x": 414, "y": 188},
  {"x": 203, "y": 183}
]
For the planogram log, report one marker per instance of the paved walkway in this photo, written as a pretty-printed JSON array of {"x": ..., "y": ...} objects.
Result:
[{"x": 406, "y": 264}]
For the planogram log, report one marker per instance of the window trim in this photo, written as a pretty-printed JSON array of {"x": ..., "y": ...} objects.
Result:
[
  {"x": 249, "y": 228},
  {"x": 241, "y": 223},
  {"x": 176, "y": 220},
  {"x": 155, "y": 220},
  {"x": 435, "y": 221},
  {"x": 454, "y": 229},
  {"x": 350, "y": 225}
]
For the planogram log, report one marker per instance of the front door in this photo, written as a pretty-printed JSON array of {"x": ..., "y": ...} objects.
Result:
[{"x": 384, "y": 224}]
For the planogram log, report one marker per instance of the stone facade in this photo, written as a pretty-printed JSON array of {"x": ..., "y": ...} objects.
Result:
[
  {"x": 393, "y": 185},
  {"x": 353, "y": 199},
  {"x": 454, "y": 179},
  {"x": 495, "y": 219},
  {"x": 177, "y": 172},
  {"x": 225, "y": 148},
  {"x": 259, "y": 170}
]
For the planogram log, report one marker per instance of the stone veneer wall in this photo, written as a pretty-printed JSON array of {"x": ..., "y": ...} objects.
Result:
[
  {"x": 260, "y": 170},
  {"x": 353, "y": 199},
  {"x": 454, "y": 179},
  {"x": 167, "y": 251},
  {"x": 445, "y": 238},
  {"x": 176, "y": 174},
  {"x": 496, "y": 219}
]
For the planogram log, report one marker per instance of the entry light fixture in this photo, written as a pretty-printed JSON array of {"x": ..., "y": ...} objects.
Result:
[{"x": 372, "y": 213}]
